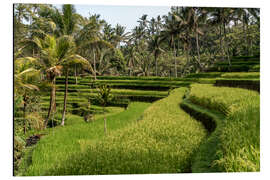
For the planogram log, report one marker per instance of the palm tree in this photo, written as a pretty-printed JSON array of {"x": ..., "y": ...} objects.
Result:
[
  {"x": 24, "y": 76},
  {"x": 221, "y": 17},
  {"x": 154, "y": 46},
  {"x": 171, "y": 31},
  {"x": 131, "y": 55},
  {"x": 56, "y": 53}
]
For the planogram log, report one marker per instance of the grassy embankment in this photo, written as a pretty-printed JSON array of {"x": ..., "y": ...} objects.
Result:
[{"x": 236, "y": 139}]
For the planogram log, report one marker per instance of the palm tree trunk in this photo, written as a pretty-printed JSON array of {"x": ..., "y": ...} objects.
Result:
[
  {"x": 52, "y": 103},
  {"x": 24, "y": 113},
  {"x": 226, "y": 46},
  {"x": 76, "y": 79},
  {"x": 95, "y": 66},
  {"x": 65, "y": 100},
  {"x": 156, "y": 64},
  {"x": 198, "y": 50},
  {"x": 175, "y": 67},
  {"x": 221, "y": 42}
]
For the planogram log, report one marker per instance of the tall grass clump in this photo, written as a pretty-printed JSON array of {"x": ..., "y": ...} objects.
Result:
[
  {"x": 162, "y": 141},
  {"x": 239, "y": 133}
]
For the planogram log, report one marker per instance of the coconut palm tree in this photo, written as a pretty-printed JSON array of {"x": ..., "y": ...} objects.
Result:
[
  {"x": 154, "y": 46},
  {"x": 170, "y": 33},
  {"x": 56, "y": 54},
  {"x": 221, "y": 18},
  {"x": 25, "y": 76}
]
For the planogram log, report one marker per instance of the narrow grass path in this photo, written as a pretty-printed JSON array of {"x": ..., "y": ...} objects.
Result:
[
  {"x": 235, "y": 143},
  {"x": 206, "y": 154},
  {"x": 163, "y": 141},
  {"x": 65, "y": 142}
]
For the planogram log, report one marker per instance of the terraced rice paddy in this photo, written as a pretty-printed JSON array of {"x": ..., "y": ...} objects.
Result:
[{"x": 154, "y": 135}]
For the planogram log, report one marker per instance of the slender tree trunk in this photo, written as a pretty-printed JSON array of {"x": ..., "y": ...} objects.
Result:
[
  {"x": 226, "y": 45},
  {"x": 52, "y": 103},
  {"x": 95, "y": 66},
  {"x": 24, "y": 113},
  {"x": 156, "y": 64},
  {"x": 76, "y": 79},
  {"x": 175, "y": 67},
  {"x": 65, "y": 100},
  {"x": 245, "y": 33},
  {"x": 221, "y": 42},
  {"x": 247, "y": 39},
  {"x": 198, "y": 50}
]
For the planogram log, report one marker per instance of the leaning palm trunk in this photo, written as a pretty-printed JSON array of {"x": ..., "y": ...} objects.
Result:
[
  {"x": 65, "y": 100},
  {"x": 52, "y": 103}
]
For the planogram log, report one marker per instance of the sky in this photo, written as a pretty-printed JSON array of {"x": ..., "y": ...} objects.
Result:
[{"x": 124, "y": 15}]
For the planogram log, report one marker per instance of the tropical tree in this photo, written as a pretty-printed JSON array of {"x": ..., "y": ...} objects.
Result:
[
  {"x": 221, "y": 17},
  {"x": 170, "y": 33},
  {"x": 25, "y": 76},
  {"x": 154, "y": 46},
  {"x": 56, "y": 53}
]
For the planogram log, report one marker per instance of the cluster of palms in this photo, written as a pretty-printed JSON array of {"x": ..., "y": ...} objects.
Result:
[
  {"x": 49, "y": 42},
  {"x": 193, "y": 36}
]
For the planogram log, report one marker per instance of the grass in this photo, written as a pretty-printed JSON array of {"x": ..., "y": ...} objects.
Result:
[
  {"x": 63, "y": 142},
  {"x": 206, "y": 153},
  {"x": 163, "y": 141},
  {"x": 239, "y": 134},
  {"x": 244, "y": 75}
]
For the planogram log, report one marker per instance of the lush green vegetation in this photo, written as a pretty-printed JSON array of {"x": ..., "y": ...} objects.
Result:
[
  {"x": 239, "y": 133},
  {"x": 83, "y": 91},
  {"x": 66, "y": 142},
  {"x": 153, "y": 145}
]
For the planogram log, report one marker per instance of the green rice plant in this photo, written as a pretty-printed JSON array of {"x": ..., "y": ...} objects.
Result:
[
  {"x": 245, "y": 75},
  {"x": 255, "y": 68},
  {"x": 239, "y": 134},
  {"x": 162, "y": 141},
  {"x": 61, "y": 143},
  {"x": 205, "y": 75}
]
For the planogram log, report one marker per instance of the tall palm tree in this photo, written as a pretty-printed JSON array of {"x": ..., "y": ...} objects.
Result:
[
  {"x": 56, "y": 53},
  {"x": 171, "y": 32},
  {"x": 221, "y": 17},
  {"x": 154, "y": 46}
]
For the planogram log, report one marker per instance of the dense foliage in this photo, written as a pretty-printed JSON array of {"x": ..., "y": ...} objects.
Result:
[{"x": 67, "y": 65}]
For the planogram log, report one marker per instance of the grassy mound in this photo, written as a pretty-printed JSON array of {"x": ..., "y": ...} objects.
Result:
[
  {"x": 64, "y": 142},
  {"x": 163, "y": 141},
  {"x": 239, "y": 134}
]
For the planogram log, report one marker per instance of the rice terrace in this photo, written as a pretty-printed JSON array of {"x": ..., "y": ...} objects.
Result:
[{"x": 179, "y": 92}]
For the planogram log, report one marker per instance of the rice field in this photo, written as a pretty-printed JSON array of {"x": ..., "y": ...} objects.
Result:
[
  {"x": 152, "y": 145},
  {"x": 239, "y": 133}
]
